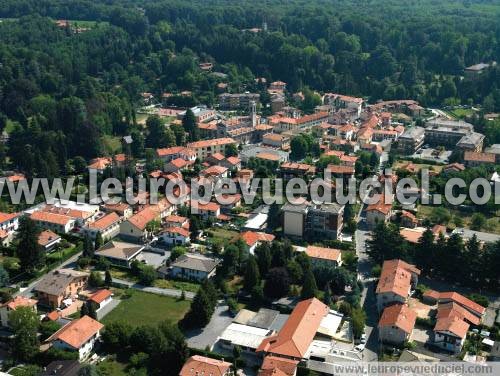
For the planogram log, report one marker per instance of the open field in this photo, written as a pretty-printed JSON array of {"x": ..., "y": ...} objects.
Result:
[
  {"x": 401, "y": 163},
  {"x": 145, "y": 308}
]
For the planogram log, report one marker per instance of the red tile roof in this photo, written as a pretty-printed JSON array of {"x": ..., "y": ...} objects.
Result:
[
  {"x": 452, "y": 324},
  {"x": 50, "y": 217},
  {"x": 177, "y": 230},
  {"x": 463, "y": 301},
  {"x": 104, "y": 222},
  {"x": 213, "y": 142},
  {"x": 299, "y": 330},
  {"x": 4, "y": 217},
  {"x": 400, "y": 316},
  {"x": 46, "y": 237},
  {"x": 287, "y": 366},
  {"x": 331, "y": 254},
  {"x": 77, "y": 332},
  {"x": 251, "y": 237},
  {"x": 395, "y": 277},
  {"x": 20, "y": 301},
  {"x": 202, "y": 366},
  {"x": 479, "y": 157},
  {"x": 141, "y": 219},
  {"x": 100, "y": 296},
  {"x": 454, "y": 309}
]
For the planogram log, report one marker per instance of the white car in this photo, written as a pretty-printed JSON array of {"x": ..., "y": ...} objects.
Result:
[
  {"x": 363, "y": 338},
  {"x": 360, "y": 347}
]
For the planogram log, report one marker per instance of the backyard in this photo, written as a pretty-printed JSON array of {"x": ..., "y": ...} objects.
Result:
[{"x": 137, "y": 308}]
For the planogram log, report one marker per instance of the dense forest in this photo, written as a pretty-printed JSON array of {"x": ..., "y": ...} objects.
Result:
[{"x": 62, "y": 91}]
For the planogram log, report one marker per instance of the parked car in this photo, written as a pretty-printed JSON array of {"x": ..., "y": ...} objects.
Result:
[{"x": 360, "y": 347}]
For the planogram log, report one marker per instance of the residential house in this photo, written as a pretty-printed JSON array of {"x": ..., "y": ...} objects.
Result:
[
  {"x": 379, "y": 212},
  {"x": 205, "y": 148},
  {"x": 469, "y": 305},
  {"x": 176, "y": 152},
  {"x": 215, "y": 172},
  {"x": 396, "y": 324},
  {"x": 255, "y": 238},
  {"x": 206, "y": 211},
  {"x": 98, "y": 165},
  {"x": 278, "y": 366},
  {"x": 108, "y": 226},
  {"x": 122, "y": 209},
  {"x": 276, "y": 140},
  {"x": 136, "y": 227},
  {"x": 198, "y": 365},
  {"x": 48, "y": 240},
  {"x": 408, "y": 219},
  {"x": 119, "y": 253},
  {"x": 229, "y": 202},
  {"x": 290, "y": 170},
  {"x": 59, "y": 223},
  {"x": 321, "y": 256},
  {"x": 453, "y": 167},
  {"x": 9, "y": 223},
  {"x": 16, "y": 302},
  {"x": 59, "y": 285},
  {"x": 176, "y": 165},
  {"x": 62, "y": 368},
  {"x": 78, "y": 335},
  {"x": 397, "y": 278},
  {"x": 450, "y": 333},
  {"x": 175, "y": 236},
  {"x": 192, "y": 266},
  {"x": 101, "y": 298},
  {"x": 474, "y": 159}
]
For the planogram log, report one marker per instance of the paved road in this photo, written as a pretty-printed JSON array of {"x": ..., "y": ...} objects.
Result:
[
  {"x": 481, "y": 236},
  {"x": 206, "y": 337},
  {"x": 28, "y": 291},
  {"x": 101, "y": 313},
  {"x": 155, "y": 290}
]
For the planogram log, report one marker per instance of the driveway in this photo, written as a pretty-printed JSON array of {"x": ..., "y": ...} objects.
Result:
[
  {"x": 154, "y": 290},
  {"x": 206, "y": 337},
  {"x": 481, "y": 236},
  {"x": 101, "y": 313},
  {"x": 421, "y": 335}
]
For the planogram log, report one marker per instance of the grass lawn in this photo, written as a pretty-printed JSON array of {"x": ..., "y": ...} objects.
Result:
[
  {"x": 461, "y": 113},
  {"x": 141, "y": 118},
  {"x": 144, "y": 308},
  {"x": 124, "y": 274},
  {"x": 63, "y": 254},
  {"x": 222, "y": 235},
  {"x": 492, "y": 224}
]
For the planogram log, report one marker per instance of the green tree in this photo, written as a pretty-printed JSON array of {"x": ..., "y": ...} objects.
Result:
[
  {"x": 277, "y": 283},
  {"x": 425, "y": 251},
  {"x": 147, "y": 275},
  {"x": 358, "y": 317},
  {"x": 176, "y": 252},
  {"x": 88, "y": 370},
  {"x": 263, "y": 253},
  {"x": 24, "y": 323},
  {"x": 29, "y": 251},
  {"x": 231, "y": 151},
  {"x": 98, "y": 243},
  {"x": 309, "y": 287},
  {"x": 478, "y": 221},
  {"x": 108, "y": 279},
  {"x": 4, "y": 276},
  {"x": 190, "y": 126},
  {"x": 95, "y": 279},
  {"x": 88, "y": 247},
  {"x": 252, "y": 275}
]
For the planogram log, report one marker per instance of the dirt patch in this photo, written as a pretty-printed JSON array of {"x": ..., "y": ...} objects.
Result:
[{"x": 422, "y": 310}]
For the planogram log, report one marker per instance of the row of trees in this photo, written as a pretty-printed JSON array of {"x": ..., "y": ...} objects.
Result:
[{"x": 468, "y": 263}]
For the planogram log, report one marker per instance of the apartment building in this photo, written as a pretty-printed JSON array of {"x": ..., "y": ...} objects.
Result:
[
  {"x": 238, "y": 101},
  {"x": 208, "y": 147}
]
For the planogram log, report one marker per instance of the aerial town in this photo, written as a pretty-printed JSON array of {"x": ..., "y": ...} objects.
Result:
[{"x": 238, "y": 286}]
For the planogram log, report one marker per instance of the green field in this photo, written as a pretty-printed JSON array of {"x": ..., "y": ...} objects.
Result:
[
  {"x": 111, "y": 367},
  {"x": 145, "y": 308},
  {"x": 461, "y": 113}
]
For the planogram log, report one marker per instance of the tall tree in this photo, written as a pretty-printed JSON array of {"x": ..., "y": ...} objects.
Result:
[
  {"x": 252, "y": 275},
  {"x": 309, "y": 287},
  {"x": 277, "y": 283},
  {"x": 30, "y": 253},
  {"x": 190, "y": 126},
  {"x": 24, "y": 323}
]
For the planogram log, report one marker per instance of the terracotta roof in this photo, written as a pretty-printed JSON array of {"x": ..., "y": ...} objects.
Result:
[
  {"x": 454, "y": 309},
  {"x": 453, "y": 325},
  {"x": 77, "y": 332},
  {"x": 4, "y": 217},
  {"x": 99, "y": 163},
  {"x": 233, "y": 160},
  {"x": 299, "y": 330},
  {"x": 412, "y": 235},
  {"x": 454, "y": 166},
  {"x": 251, "y": 237},
  {"x": 173, "y": 150},
  {"x": 213, "y": 142},
  {"x": 305, "y": 168},
  {"x": 217, "y": 156},
  {"x": 463, "y": 301},
  {"x": 337, "y": 169},
  {"x": 104, "y": 222},
  {"x": 43, "y": 216},
  {"x": 409, "y": 215},
  {"x": 431, "y": 294},
  {"x": 380, "y": 207},
  {"x": 479, "y": 157},
  {"x": 177, "y": 230},
  {"x": 100, "y": 296},
  {"x": 202, "y": 366},
  {"x": 179, "y": 163},
  {"x": 46, "y": 237},
  {"x": 331, "y": 254},
  {"x": 287, "y": 366},
  {"x": 73, "y": 213},
  {"x": 20, "y": 301},
  {"x": 214, "y": 171},
  {"x": 395, "y": 277},
  {"x": 334, "y": 153},
  {"x": 53, "y": 316},
  {"x": 400, "y": 316},
  {"x": 268, "y": 156},
  {"x": 120, "y": 157},
  {"x": 175, "y": 219},
  {"x": 274, "y": 137},
  {"x": 141, "y": 219},
  {"x": 210, "y": 206}
]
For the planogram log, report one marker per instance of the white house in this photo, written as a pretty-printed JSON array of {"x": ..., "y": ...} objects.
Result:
[
  {"x": 48, "y": 240},
  {"x": 175, "y": 236},
  {"x": 108, "y": 226},
  {"x": 193, "y": 267},
  {"x": 78, "y": 335},
  {"x": 450, "y": 333},
  {"x": 101, "y": 298}
]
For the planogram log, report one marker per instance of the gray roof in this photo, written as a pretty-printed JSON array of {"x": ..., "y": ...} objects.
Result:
[
  {"x": 329, "y": 207},
  {"x": 119, "y": 250},
  {"x": 264, "y": 318},
  {"x": 195, "y": 262},
  {"x": 55, "y": 283},
  {"x": 413, "y": 132},
  {"x": 473, "y": 138},
  {"x": 301, "y": 208}
]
